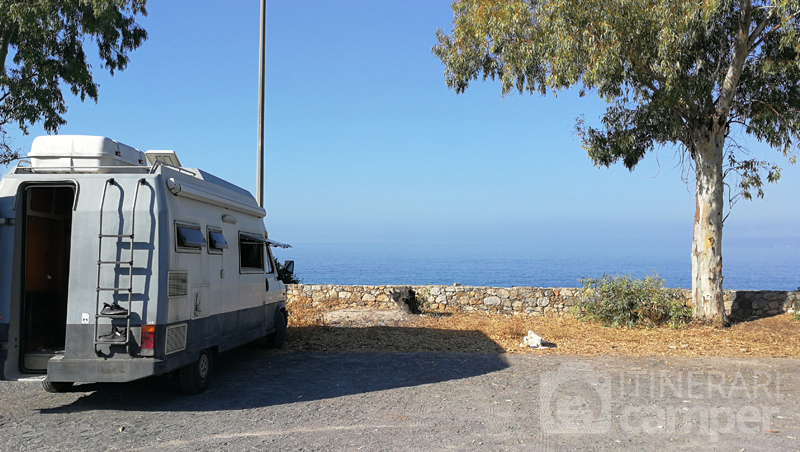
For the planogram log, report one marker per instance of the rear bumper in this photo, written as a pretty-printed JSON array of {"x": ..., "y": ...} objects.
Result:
[{"x": 103, "y": 370}]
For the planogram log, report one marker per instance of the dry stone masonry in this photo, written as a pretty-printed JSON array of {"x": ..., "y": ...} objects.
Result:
[{"x": 533, "y": 301}]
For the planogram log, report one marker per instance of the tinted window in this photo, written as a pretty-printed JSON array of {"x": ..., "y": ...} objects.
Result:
[
  {"x": 251, "y": 253},
  {"x": 217, "y": 240},
  {"x": 189, "y": 237}
]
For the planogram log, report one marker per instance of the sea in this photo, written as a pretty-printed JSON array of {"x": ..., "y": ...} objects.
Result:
[{"x": 482, "y": 264}]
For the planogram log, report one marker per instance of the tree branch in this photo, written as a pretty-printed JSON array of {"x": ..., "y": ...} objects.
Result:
[
  {"x": 757, "y": 43},
  {"x": 740, "y": 52},
  {"x": 759, "y": 28}
]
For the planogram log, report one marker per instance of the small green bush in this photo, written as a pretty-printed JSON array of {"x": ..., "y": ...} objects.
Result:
[{"x": 625, "y": 301}]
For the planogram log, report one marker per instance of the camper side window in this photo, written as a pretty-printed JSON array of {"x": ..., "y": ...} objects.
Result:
[
  {"x": 251, "y": 254},
  {"x": 189, "y": 238},
  {"x": 216, "y": 241}
]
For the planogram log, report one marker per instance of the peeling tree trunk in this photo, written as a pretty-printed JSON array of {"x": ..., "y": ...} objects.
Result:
[{"x": 707, "y": 293}]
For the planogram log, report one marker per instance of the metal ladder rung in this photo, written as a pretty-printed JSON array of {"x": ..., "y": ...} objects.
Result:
[
  {"x": 127, "y": 236},
  {"x": 115, "y": 341},
  {"x": 116, "y": 262},
  {"x": 115, "y": 289},
  {"x": 112, "y": 316}
]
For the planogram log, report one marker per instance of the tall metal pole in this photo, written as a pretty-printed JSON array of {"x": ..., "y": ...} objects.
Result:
[{"x": 262, "y": 48}]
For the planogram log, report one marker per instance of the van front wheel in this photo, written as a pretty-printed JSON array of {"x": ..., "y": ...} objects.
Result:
[
  {"x": 279, "y": 336},
  {"x": 56, "y": 386},
  {"x": 194, "y": 378}
]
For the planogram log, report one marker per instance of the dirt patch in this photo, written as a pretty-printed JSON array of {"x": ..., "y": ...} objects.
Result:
[
  {"x": 481, "y": 333},
  {"x": 364, "y": 317}
]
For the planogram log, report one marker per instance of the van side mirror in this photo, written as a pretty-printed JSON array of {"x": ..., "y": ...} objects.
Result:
[{"x": 289, "y": 267}]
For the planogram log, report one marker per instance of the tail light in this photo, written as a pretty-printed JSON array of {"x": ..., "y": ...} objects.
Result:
[{"x": 148, "y": 340}]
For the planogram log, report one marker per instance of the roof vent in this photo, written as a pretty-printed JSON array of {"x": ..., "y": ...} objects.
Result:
[{"x": 165, "y": 157}]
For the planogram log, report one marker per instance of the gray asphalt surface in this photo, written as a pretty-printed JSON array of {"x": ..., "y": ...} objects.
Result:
[{"x": 263, "y": 400}]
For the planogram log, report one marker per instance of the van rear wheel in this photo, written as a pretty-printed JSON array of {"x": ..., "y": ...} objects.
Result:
[
  {"x": 194, "y": 378},
  {"x": 56, "y": 386}
]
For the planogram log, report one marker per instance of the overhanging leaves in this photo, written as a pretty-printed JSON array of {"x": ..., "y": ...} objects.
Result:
[
  {"x": 46, "y": 42},
  {"x": 669, "y": 68}
]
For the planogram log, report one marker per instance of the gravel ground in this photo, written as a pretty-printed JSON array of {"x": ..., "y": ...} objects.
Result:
[{"x": 266, "y": 400}]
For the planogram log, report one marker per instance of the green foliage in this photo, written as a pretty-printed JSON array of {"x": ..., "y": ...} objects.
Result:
[
  {"x": 44, "y": 40},
  {"x": 624, "y": 301},
  {"x": 674, "y": 72}
]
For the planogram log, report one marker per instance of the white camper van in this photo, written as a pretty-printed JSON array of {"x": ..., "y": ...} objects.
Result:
[{"x": 117, "y": 265}]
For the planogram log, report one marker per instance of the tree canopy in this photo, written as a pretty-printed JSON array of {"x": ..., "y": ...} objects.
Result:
[
  {"x": 45, "y": 43},
  {"x": 675, "y": 72}
]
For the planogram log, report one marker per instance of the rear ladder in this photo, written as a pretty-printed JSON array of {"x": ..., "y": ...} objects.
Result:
[{"x": 126, "y": 339}]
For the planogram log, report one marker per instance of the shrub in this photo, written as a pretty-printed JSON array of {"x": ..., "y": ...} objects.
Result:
[{"x": 625, "y": 301}]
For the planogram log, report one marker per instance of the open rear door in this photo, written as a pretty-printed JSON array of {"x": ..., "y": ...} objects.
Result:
[{"x": 47, "y": 238}]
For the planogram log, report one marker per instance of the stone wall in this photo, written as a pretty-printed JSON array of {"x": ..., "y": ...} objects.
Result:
[
  {"x": 744, "y": 304},
  {"x": 328, "y": 297},
  {"x": 534, "y": 301}
]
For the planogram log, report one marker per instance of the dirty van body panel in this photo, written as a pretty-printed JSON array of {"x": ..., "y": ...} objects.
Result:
[
  {"x": 10, "y": 265},
  {"x": 7, "y": 233},
  {"x": 84, "y": 303},
  {"x": 124, "y": 369}
]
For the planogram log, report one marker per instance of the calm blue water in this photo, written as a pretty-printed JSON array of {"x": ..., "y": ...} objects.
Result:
[{"x": 745, "y": 268}]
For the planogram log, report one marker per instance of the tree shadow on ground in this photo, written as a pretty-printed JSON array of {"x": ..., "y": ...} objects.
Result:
[
  {"x": 254, "y": 376},
  {"x": 734, "y": 319},
  {"x": 388, "y": 339}
]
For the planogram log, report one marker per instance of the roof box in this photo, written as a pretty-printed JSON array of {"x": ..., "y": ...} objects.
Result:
[{"x": 64, "y": 153}]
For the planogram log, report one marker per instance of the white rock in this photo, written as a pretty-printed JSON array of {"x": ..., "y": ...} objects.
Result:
[{"x": 491, "y": 301}]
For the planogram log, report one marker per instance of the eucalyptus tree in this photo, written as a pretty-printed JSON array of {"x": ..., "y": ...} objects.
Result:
[
  {"x": 41, "y": 52},
  {"x": 674, "y": 72}
]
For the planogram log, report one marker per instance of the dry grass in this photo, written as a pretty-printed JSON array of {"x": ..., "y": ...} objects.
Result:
[
  {"x": 303, "y": 314},
  {"x": 773, "y": 337},
  {"x": 481, "y": 333}
]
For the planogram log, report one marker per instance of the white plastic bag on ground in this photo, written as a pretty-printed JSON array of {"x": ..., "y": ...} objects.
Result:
[{"x": 533, "y": 340}]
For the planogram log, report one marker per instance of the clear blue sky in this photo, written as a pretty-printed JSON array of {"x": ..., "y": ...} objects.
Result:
[{"x": 365, "y": 143}]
